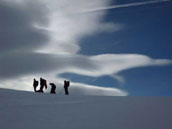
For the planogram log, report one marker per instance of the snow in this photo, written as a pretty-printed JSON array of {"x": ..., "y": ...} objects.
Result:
[{"x": 28, "y": 110}]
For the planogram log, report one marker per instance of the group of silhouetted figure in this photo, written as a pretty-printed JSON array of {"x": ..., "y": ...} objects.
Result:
[{"x": 43, "y": 84}]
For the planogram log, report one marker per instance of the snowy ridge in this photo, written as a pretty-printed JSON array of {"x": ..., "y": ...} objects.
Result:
[{"x": 28, "y": 110}]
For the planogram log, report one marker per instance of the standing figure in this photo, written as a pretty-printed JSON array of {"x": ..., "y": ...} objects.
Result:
[
  {"x": 35, "y": 84},
  {"x": 66, "y": 86},
  {"x": 43, "y": 83},
  {"x": 53, "y": 88}
]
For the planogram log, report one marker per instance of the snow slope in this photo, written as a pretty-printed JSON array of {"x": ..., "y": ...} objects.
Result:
[{"x": 27, "y": 110}]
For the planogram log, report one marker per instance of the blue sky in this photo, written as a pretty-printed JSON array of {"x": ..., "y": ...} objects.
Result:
[
  {"x": 147, "y": 30},
  {"x": 104, "y": 47}
]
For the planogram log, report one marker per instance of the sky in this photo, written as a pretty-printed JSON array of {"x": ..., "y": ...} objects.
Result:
[{"x": 104, "y": 47}]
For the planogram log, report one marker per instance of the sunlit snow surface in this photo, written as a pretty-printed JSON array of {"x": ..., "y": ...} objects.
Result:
[{"x": 27, "y": 110}]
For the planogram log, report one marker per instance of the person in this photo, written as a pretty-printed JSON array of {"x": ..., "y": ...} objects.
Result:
[
  {"x": 43, "y": 83},
  {"x": 53, "y": 88},
  {"x": 66, "y": 86},
  {"x": 35, "y": 84}
]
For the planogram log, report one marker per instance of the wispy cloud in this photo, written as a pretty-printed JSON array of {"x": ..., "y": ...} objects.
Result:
[
  {"x": 123, "y": 6},
  {"x": 47, "y": 27},
  {"x": 95, "y": 66},
  {"x": 75, "y": 88},
  {"x": 64, "y": 26},
  {"x": 42, "y": 31},
  {"x": 49, "y": 66}
]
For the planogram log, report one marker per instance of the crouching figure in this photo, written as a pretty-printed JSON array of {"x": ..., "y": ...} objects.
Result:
[{"x": 53, "y": 88}]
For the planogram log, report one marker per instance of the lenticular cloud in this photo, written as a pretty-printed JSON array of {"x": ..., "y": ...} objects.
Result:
[{"x": 42, "y": 39}]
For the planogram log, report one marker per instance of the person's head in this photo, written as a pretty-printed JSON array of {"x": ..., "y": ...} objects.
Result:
[{"x": 52, "y": 84}]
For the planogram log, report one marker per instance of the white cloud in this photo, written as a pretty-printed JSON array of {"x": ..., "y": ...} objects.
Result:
[
  {"x": 25, "y": 83},
  {"x": 109, "y": 64},
  {"x": 121, "y": 79},
  {"x": 84, "y": 89},
  {"x": 64, "y": 25},
  {"x": 67, "y": 26},
  {"x": 94, "y": 66},
  {"x": 101, "y": 8}
]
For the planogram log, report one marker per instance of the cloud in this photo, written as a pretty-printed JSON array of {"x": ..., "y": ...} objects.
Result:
[
  {"x": 115, "y": 63},
  {"x": 17, "y": 71},
  {"x": 16, "y": 32},
  {"x": 83, "y": 89},
  {"x": 123, "y": 6},
  {"x": 44, "y": 26},
  {"x": 65, "y": 26},
  {"x": 18, "y": 64},
  {"x": 41, "y": 38},
  {"x": 121, "y": 79},
  {"x": 74, "y": 89}
]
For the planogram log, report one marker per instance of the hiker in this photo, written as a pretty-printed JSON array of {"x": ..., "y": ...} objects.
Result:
[
  {"x": 35, "y": 84},
  {"x": 43, "y": 83},
  {"x": 53, "y": 88},
  {"x": 66, "y": 86}
]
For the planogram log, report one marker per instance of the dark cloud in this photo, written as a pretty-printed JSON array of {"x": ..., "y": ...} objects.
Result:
[
  {"x": 17, "y": 32},
  {"x": 19, "y": 39},
  {"x": 19, "y": 64}
]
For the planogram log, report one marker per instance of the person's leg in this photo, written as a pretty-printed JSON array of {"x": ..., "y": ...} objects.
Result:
[
  {"x": 41, "y": 89},
  {"x": 67, "y": 92},
  {"x": 34, "y": 88}
]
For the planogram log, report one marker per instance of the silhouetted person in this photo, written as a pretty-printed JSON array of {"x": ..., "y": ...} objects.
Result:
[
  {"x": 43, "y": 83},
  {"x": 35, "y": 84},
  {"x": 53, "y": 88},
  {"x": 66, "y": 86}
]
